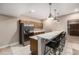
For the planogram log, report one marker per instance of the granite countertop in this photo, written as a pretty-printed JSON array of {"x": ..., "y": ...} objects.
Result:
[{"x": 48, "y": 35}]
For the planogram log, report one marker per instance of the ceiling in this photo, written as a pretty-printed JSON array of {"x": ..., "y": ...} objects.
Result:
[{"x": 37, "y": 10}]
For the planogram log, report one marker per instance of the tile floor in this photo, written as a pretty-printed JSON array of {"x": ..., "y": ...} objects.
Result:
[{"x": 71, "y": 48}]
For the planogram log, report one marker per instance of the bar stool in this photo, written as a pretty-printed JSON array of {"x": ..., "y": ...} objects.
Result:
[
  {"x": 53, "y": 46},
  {"x": 62, "y": 42},
  {"x": 57, "y": 44},
  {"x": 63, "y": 38}
]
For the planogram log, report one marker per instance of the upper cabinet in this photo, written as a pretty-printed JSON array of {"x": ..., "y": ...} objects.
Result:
[{"x": 34, "y": 22}]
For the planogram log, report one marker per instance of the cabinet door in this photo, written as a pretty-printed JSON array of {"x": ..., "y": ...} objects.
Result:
[
  {"x": 34, "y": 46},
  {"x": 73, "y": 28}
]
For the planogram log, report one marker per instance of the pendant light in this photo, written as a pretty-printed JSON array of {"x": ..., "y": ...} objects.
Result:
[
  {"x": 56, "y": 14},
  {"x": 50, "y": 14},
  {"x": 54, "y": 18}
]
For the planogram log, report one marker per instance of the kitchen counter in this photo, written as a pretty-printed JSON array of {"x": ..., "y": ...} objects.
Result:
[
  {"x": 40, "y": 39},
  {"x": 48, "y": 36}
]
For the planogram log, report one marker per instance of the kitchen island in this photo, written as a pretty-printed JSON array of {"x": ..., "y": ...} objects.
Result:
[{"x": 37, "y": 42}]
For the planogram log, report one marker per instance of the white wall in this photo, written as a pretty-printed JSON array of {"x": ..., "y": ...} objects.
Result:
[
  {"x": 50, "y": 25},
  {"x": 8, "y": 30}
]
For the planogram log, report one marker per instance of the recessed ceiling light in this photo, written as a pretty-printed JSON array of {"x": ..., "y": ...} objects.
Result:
[
  {"x": 31, "y": 11},
  {"x": 76, "y": 10}
]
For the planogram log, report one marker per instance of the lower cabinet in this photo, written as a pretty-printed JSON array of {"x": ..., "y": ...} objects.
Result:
[{"x": 34, "y": 46}]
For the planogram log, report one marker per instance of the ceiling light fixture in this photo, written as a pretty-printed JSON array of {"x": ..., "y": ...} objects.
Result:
[
  {"x": 56, "y": 14},
  {"x": 50, "y": 14},
  {"x": 76, "y": 10},
  {"x": 32, "y": 11}
]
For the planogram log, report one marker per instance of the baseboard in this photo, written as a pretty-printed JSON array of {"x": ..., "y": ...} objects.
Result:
[{"x": 4, "y": 46}]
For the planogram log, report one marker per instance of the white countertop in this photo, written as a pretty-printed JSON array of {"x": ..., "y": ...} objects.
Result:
[{"x": 47, "y": 36}]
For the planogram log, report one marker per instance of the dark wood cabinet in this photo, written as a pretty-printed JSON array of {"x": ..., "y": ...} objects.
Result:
[
  {"x": 26, "y": 29},
  {"x": 73, "y": 27}
]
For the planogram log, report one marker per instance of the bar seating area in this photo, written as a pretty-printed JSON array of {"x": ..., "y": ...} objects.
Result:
[{"x": 55, "y": 45}]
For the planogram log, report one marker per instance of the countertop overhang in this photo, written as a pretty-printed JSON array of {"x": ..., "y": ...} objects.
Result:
[{"x": 47, "y": 36}]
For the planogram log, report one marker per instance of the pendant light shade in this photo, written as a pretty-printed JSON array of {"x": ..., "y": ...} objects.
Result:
[{"x": 50, "y": 14}]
